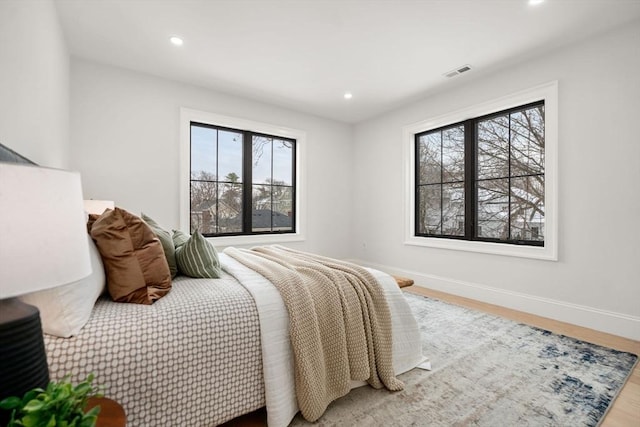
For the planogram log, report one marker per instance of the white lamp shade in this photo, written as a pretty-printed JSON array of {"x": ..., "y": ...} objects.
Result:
[{"x": 43, "y": 235}]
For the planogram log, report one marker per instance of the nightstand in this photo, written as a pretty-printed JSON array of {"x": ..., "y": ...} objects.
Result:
[{"x": 111, "y": 412}]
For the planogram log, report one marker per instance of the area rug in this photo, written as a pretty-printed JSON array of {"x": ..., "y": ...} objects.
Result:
[{"x": 490, "y": 371}]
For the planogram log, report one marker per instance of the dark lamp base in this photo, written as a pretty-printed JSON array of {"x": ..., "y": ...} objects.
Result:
[{"x": 23, "y": 360}]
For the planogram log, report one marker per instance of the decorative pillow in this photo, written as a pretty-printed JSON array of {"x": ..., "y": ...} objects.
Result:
[
  {"x": 198, "y": 258},
  {"x": 167, "y": 244},
  {"x": 91, "y": 218},
  {"x": 179, "y": 238},
  {"x": 66, "y": 309},
  {"x": 137, "y": 270}
]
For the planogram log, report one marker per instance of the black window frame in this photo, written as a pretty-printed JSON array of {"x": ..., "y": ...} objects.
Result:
[
  {"x": 470, "y": 179},
  {"x": 247, "y": 181}
]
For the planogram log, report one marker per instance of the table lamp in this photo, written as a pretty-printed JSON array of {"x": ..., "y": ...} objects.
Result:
[{"x": 43, "y": 244}]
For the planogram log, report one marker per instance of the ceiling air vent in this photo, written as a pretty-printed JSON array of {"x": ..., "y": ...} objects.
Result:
[{"x": 457, "y": 71}]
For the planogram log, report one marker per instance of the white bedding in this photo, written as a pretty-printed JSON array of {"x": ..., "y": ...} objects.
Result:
[{"x": 277, "y": 357}]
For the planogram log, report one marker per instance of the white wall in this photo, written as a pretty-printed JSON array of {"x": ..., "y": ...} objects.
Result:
[
  {"x": 596, "y": 281},
  {"x": 125, "y": 141},
  {"x": 34, "y": 82}
]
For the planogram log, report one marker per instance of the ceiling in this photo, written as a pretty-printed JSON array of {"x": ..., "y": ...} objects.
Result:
[{"x": 305, "y": 54}]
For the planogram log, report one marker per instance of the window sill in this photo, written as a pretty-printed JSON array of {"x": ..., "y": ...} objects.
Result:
[
  {"x": 261, "y": 239},
  {"x": 533, "y": 252}
]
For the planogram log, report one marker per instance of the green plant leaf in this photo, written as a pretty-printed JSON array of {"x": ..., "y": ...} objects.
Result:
[
  {"x": 33, "y": 406},
  {"x": 30, "y": 395},
  {"x": 32, "y": 420},
  {"x": 10, "y": 403},
  {"x": 60, "y": 405},
  {"x": 83, "y": 388},
  {"x": 64, "y": 392},
  {"x": 88, "y": 422},
  {"x": 93, "y": 412}
]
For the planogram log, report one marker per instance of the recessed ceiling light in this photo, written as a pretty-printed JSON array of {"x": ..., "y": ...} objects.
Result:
[
  {"x": 348, "y": 95},
  {"x": 535, "y": 2},
  {"x": 176, "y": 41}
]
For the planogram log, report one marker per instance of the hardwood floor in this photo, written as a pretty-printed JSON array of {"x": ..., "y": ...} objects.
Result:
[{"x": 625, "y": 411}]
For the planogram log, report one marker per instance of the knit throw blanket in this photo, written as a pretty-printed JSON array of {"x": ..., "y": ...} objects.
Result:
[{"x": 339, "y": 323}]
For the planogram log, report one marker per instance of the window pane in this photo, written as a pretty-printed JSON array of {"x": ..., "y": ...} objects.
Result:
[
  {"x": 429, "y": 210},
  {"x": 203, "y": 153},
  {"x": 493, "y": 209},
  {"x": 261, "y": 203},
  {"x": 203, "y": 206},
  {"x": 453, "y": 154},
  {"x": 282, "y": 162},
  {"x": 429, "y": 152},
  {"x": 229, "y": 208},
  {"x": 493, "y": 148},
  {"x": 453, "y": 209},
  {"x": 229, "y": 156},
  {"x": 527, "y": 141},
  {"x": 527, "y": 208},
  {"x": 282, "y": 206},
  {"x": 261, "y": 149}
]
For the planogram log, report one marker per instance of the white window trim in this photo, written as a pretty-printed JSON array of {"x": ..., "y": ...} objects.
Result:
[
  {"x": 547, "y": 92},
  {"x": 186, "y": 117}
]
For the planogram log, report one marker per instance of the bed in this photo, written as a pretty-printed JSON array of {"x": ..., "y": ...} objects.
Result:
[
  {"x": 206, "y": 352},
  {"x": 209, "y": 351}
]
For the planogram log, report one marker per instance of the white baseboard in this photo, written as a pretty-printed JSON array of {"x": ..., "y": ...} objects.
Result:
[{"x": 620, "y": 324}]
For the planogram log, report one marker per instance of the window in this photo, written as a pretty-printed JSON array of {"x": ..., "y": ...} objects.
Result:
[
  {"x": 241, "y": 182},
  {"x": 510, "y": 176},
  {"x": 484, "y": 179},
  {"x": 441, "y": 178}
]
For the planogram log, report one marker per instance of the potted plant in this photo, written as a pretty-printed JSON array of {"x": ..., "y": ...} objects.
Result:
[{"x": 60, "y": 405}]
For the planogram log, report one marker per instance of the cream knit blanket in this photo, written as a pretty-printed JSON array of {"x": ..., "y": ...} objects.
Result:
[{"x": 339, "y": 323}]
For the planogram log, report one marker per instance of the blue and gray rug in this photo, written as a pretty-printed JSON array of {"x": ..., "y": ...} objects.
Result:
[{"x": 490, "y": 371}]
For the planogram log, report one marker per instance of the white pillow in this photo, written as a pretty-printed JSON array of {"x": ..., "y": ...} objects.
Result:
[{"x": 66, "y": 309}]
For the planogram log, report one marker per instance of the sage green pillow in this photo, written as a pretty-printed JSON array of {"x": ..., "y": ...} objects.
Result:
[
  {"x": 179, "y": 238},
  {"x": 167, "y": 244},
  {"x": 198, "y": 258}
]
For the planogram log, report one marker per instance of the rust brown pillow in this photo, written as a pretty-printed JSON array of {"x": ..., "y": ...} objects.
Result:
[
  {"x": 90, "y": 220},
  {"x": 133, "y": 258}
]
